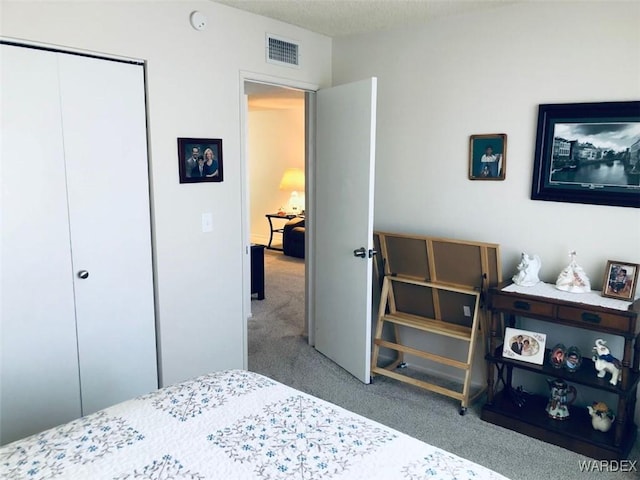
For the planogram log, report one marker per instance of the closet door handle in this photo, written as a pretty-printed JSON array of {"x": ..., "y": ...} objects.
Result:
[{"x": 83, "y": 274}]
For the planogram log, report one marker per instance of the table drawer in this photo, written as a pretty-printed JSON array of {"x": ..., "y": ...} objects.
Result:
[
  {"x": 504, "y": 302},
  {"x": 586, "y": 318}
]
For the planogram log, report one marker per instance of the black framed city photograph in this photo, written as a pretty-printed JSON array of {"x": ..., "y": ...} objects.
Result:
[
  {"x": 488, "y": 156},
  {"x": 200, "y": 160},
  {"x": 620, "y": 280},
  {"x": 588, "y": 153}
]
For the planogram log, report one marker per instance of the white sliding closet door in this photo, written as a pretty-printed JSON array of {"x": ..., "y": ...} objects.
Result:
[
  {"x": 104, "y": 131},
  {"x": 75, "y": 197},
  {"x": 38, "y": 349}
]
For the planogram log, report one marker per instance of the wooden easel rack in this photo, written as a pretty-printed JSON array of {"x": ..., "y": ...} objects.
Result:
[{"x": 433, "y": 286}]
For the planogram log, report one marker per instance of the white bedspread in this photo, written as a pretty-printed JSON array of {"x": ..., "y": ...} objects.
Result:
[{"x": 229, "y": 425}]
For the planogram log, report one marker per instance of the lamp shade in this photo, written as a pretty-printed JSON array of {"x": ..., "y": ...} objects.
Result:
[{"x": 292, "y": 180}]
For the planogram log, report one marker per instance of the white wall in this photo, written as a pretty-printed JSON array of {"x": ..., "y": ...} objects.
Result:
[
  {"x": 487, "y": 72},
  {"x": 193, "y": 88},
  {"x": 276, "y": 142}
]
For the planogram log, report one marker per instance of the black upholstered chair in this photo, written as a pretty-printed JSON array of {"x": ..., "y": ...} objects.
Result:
[{"x": 293, "y": 238}]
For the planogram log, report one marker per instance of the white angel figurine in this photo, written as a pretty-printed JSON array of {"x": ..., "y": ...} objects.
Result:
[
  {"x": 528, "y": 269},
  {"x": 573, "y": 278}
]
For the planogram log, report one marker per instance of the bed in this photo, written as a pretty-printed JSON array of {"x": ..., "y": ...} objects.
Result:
[{"x": 233, "y": 424}]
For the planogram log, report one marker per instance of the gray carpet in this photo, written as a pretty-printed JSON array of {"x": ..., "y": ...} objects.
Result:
[{"x": 279, "y": 349}]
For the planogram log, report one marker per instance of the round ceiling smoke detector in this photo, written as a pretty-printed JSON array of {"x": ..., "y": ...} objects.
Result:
[{"x": 198, "y": 20}]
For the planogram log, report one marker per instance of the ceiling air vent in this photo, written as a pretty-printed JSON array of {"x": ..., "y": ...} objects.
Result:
[{"x": 282, "y": 52}]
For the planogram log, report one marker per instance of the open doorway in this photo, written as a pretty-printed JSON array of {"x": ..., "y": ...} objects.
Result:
[
  {"x": 338, "y": 310},
  {"x": 275, "y": 147}
]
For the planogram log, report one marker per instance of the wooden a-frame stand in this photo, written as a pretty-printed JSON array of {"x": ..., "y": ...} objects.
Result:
[{"x": 437, "y": 286}]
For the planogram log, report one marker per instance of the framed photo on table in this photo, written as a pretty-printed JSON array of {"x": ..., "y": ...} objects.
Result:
[
  {"x": 524, "y": 345},
  {"x": 200, "y": 160},
  {"x": 620, "y": 280},
  {"x": 488, "y": 156},
  {"x": 588, "y": 153}
]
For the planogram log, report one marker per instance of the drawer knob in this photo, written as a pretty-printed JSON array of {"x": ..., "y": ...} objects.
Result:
[
  {"x": 591, "y": 317},
  {"x": 520, "y": 305}
]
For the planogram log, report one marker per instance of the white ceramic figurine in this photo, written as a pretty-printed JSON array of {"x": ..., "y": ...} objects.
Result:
[
  {"x": 573, "y": 278},
  {"x": 605, "y": 362},
  {"x": 601, "y": 416},
  {"x": 528, "y": 269}
]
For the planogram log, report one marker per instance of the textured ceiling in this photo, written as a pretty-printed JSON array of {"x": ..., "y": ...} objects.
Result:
[{"x": 336, "y": 18}]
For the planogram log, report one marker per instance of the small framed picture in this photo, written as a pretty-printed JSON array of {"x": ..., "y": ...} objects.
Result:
[
  {"x": 524, "y": 345},
  {"x": 620, "y": 280},
  {"x": 200, "y": 160},
  {"x": 558, "y": 356},
  {"x": 573, "y": 359},
  {"x": 488, "y": 156}
]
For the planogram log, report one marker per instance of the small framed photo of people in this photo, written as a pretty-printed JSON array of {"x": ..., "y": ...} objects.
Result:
[
  {"x": 488, "y": 156},
  {"x": 620, "y": 280},
  {"x": 524, "y": 346},
  {"x": 200, "y": 160},
  {"x": 558, "y": 356}
]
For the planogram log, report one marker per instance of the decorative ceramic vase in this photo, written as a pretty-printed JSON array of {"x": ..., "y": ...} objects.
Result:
[
  {"x": 573, "y": 359},
  {"x": 558, "y": 405}
]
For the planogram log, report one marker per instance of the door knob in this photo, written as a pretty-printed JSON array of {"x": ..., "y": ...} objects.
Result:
[
  {"x": 83, "y": 274},
  {"x": 361, "y": 252},
  {"x": 372, "y": 252}
]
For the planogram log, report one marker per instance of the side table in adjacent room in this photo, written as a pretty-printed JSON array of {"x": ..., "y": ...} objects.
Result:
[
  {"x": 257, "y": 270},
  {"x": 273, "y": 229}
]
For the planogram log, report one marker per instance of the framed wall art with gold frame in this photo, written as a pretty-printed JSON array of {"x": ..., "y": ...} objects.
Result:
[{"x": 488, "y": 156}]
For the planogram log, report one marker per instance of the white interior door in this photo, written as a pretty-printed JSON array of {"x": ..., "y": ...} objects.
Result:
[
  {"x": 104, "y": 129},
  {"x": 39, "y": 386},
  {"x": 345, "y": 161}
]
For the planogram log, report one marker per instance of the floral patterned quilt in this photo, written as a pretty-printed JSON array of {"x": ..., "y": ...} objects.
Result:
[{"x": 225, "y": 426}]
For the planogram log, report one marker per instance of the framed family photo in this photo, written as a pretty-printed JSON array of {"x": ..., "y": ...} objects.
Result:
[
  {"x": 620, "y": 280},
  {"x": 488, "y": 156},
  {"x": 200, "y": 160},
  {"x": 588, "y": 153},
  {"x": 524, "y": 345}
]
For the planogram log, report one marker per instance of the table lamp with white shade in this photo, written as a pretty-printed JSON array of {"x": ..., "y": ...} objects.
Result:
[{"x": 293, "y": 181}]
